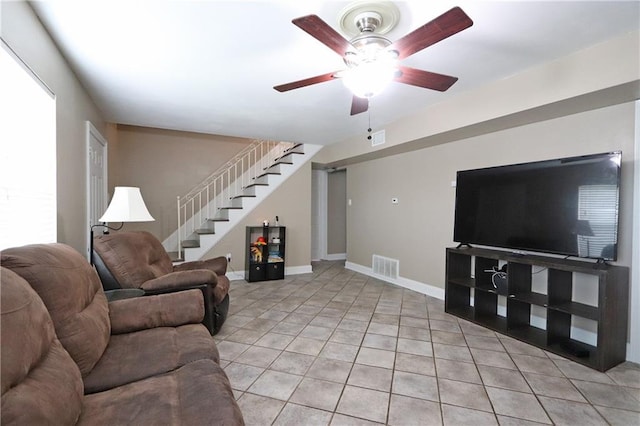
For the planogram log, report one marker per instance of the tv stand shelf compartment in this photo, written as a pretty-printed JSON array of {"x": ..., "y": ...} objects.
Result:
[{"x": 470, "y": 294}]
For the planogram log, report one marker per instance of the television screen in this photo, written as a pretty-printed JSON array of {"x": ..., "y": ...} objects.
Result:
[{"x": 567, "y": 206}]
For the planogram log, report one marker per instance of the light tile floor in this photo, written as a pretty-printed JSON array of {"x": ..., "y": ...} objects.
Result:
[{"x": 337, "y": 347}]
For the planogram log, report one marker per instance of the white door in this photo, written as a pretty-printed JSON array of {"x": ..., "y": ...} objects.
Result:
[{"x": 96, "y": 177}]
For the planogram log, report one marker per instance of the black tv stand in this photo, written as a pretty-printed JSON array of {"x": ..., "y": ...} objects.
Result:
[
  {"x": 470, "y": 294},
  {"x": 461, "y": 245}
]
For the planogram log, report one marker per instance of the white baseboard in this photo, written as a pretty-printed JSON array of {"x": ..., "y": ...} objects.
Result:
[
  {"x": 423, "y": 288},
  {"x": 235, "y": 275},
  {"x": 336, "y": 256},
  {"x": 289, "y": 270},
  {"x": 298, "y": 270}
]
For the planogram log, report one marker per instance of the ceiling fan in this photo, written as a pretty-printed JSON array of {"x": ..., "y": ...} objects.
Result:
[{"x": 371, "y": 59}]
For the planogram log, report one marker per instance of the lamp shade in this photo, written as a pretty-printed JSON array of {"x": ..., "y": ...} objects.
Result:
[{"x": 126, "y": 205}]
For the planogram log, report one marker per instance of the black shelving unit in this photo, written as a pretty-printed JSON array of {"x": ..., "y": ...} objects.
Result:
[
  {"x": 265, "y": 261},
  {"x": 470, "y": 294}
]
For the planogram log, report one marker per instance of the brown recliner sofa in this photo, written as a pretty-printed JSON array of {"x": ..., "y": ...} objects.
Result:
[
  {"x": 70, "y": 357},
  {"x": 137, "y": 259}
]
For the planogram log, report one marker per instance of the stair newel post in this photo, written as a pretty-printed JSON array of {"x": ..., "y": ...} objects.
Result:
[{"x": 179, "y": 229}]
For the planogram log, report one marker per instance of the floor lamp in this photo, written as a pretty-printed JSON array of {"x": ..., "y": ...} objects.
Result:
[{"x": 126, "y": 205}]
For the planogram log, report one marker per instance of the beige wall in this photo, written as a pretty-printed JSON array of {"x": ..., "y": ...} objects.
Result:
[
  {"x": 418, "y": 229},
  {"x": 601, "y": 75},
  {"x": 22, "y": 31},
  {"x": 166, "y": 164},
  {"x": 580, "y": 103},
  {"x": 336, "y": 212},
  {"x": 291, "y": 202}
]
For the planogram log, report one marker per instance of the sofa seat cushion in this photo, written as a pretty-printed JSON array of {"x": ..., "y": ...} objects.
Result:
[
  {"x": 197, "y": 394},
  {"x": 40, "y": 382},
  {"x": 71, "y": 290},
  {"x": 134, "y": 356}
]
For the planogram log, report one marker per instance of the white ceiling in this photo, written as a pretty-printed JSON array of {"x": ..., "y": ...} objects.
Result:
[{"x": 210, "y": 66}]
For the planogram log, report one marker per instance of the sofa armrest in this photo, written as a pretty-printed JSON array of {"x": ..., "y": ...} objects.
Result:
[
  {"x": 123, "y": 293},
  {"x": 180, "y": 280},
  {"x": 163, "y": 310},
  {"x": 216, "y": 264}
]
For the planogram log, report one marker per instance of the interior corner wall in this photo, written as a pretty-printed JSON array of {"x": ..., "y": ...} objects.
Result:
[
  {"x": 23, "y": 32},
  {"x": 336, "y": 213},
  {"x": 291, "y": 202},
  {"x": 166, "y": 164},
  {"x": 319, "y": 185},
  {"x": 419, "y": 228}
]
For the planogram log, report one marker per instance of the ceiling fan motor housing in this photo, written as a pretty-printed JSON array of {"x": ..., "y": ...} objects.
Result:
[
  {"x": 369, "y": 48},
  {"x": 368, "y": 21}
]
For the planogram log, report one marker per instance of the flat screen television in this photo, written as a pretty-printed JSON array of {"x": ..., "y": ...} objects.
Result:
[{"x": 566, "y": 206}]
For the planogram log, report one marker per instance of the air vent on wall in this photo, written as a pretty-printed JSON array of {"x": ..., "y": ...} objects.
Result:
[
  {"x": 377, "y": 138},
  {"x": 386, "y": 267}
]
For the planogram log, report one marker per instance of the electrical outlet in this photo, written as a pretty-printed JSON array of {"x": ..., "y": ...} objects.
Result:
[{"x": 229, "y": 257}]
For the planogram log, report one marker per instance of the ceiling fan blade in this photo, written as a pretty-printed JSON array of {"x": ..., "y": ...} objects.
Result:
[
  {"x": 359, "y": 105},
  {"x": 306, "y": 82},
  {"x": 426, "y": 79},
  {"x": 321, "y": 31},
  {"x": 445, "y": 25}
]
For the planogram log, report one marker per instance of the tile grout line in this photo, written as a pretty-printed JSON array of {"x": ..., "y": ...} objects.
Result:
[{"x": 386, "y": 297}]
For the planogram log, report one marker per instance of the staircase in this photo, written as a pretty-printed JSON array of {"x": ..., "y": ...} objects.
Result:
[{"x": 210, "y": 210}]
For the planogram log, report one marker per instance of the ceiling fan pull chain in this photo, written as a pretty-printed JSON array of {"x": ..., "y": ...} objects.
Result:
[{"x": 369, "y": 129}]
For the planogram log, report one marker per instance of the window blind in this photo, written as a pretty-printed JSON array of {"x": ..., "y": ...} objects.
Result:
[{"x": 28, "y": 211}]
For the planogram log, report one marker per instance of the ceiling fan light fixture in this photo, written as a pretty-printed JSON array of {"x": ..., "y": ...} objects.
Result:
[
  {"x": 371, "y": 67},
  {"x": 369, "y": 78}
]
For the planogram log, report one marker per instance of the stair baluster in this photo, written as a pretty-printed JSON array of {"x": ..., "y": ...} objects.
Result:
[{"x": 224, "y": 188}]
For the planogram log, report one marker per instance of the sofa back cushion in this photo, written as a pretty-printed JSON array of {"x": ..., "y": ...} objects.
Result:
[
  {"x": 133, "y": 257},
  {"x": 40, "y": 382},
  {"x": 71, "y": 290}
]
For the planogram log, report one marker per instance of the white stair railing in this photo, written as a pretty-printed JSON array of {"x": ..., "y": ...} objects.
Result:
[{"x": 221, "y": 188}]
